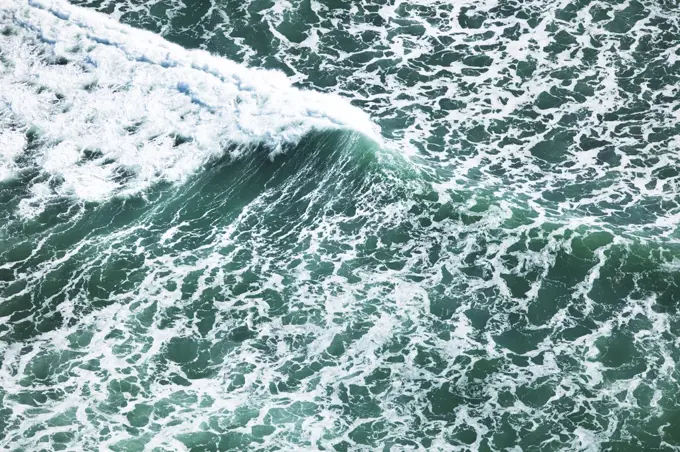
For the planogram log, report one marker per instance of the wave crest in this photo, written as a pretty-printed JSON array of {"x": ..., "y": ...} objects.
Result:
[{"x": 101, "y": 109}]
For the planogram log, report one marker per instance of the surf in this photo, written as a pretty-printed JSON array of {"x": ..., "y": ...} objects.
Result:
[{"x": 99, "y": 109}]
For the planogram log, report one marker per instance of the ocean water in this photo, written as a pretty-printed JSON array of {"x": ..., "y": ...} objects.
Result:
[{"x": 287, "y": 225}]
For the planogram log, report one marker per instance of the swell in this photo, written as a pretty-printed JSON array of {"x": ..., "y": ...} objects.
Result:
[
  {"x": 259, "y": 293},
  {"x": 324, "y": 174},
  {"x": 270, "y": 287}
]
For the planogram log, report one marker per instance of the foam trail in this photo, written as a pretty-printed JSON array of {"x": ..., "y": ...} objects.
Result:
[{"x": 102, "y": 109}]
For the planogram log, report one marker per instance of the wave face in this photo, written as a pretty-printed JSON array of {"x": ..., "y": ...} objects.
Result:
[{"x": 201, "y": 253}]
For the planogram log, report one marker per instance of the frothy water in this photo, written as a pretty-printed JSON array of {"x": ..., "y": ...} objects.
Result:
[
  {"x": 202, "y": 255},
  {"x": 106, "y": 110}
]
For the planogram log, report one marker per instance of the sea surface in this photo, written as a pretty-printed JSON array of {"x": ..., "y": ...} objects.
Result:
[{"x": 367, "y": 225}]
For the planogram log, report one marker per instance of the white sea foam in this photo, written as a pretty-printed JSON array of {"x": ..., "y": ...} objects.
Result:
[
  {"x": 111, "y": 110},
  {"x": 425, "y": 312}
]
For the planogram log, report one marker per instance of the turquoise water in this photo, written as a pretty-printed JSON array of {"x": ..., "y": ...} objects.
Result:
[{"x": 333, "y": 225}]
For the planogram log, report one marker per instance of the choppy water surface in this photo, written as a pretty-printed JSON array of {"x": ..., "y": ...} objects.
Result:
[{"x": 440, "y": 225}]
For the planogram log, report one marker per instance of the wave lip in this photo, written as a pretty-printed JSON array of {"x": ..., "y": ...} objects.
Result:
[{"x": 105, "y": 109}]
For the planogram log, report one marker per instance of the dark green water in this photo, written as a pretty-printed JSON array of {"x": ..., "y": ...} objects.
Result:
[{"x": 196, "y": 256}]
